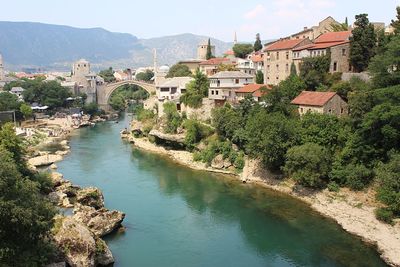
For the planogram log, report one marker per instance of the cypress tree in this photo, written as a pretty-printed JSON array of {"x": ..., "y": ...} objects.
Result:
[
  {"x": 293, "y": 71},
  {"x": 257, "y": 45},
  {"x": 209, "y": 51},
  {"x": 362, "y": 43},
  {"x": 396, "y": 23}
]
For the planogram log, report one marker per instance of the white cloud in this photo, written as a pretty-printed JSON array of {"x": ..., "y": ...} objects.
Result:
[{"x": 255, "y": 12}]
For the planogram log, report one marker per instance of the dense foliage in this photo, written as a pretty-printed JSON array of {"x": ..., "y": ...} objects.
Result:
[
  {"x": 196, "y": 90},
  {"x": 259, "y": 77},
  {"x": 108, "y": 75},
  {"x": 26, "y": 214},
  {"x": 172, "y": 117},
  {"x": 179, "y": 70},
  {"x": 242, "y": 50},
  {"x": 209, "y": 53},
  {"x": 125, "y": 94},
  {"x": 362, "y": 43},
  {"x": 9, "y": 102},
  {"x": 145, "y": 76}
]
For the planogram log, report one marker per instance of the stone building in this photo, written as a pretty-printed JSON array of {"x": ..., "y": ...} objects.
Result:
[
  {"x": 87, "y": 82},
  {"x": 172, "y": 88},
  {"x": 224, "y": 84},
  {"x": 210, "y": 67},
  {"x": 320, "y": 102},
  {"x": 278, "y": 58},
  {"x": 192, "y": 64},
  {"x": 335, "y": 43},
  {"x": 202, "y": 50},
  {"x": 256, "y": 91},
  {"x": 312, "y": 33}
]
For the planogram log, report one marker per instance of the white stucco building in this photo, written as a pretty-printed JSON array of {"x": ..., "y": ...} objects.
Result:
[{"x": 224, "y": 84}]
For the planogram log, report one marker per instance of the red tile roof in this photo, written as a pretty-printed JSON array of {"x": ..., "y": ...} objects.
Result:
[
  {"x": 284, "y": 44},
  {"x": 310, "y": 98},
  {"x": 333, "y": 37},
  {"x": 251, "y": 88},
  {"x": 327, "y": 40},
  {"x": 259, "y": 93},
  {"x": 257, "y": 58},
  {"x": 215, "y": 61}
]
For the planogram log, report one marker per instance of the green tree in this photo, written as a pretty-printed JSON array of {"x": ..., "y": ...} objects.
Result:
[
  {"x": 196, "y": 90},
  {"x": 172, "y": 118},
  {"x": 26, "y": 110},
  {"x": 308, "y": 164},
  {"x": 108, "y": 75},
  {"x": 117, "y": 102},
  {"x": 259, "y": 77},
  {"x": 9, "y": 102},
  {"x": 50, "y": 93},
  {"x": 92, "y": 109},
  {"x": 293, "y": 70},
  {"x": 179, "y": 70},
  {"x": 389, "y": 183},
  {"x": 269, "y": 136},
  {"x": 313, "y": 70},
  {"x": 396, "y": 23},
  {"x": 226, "y": 121},
  {"x": 145, "y": 76},
  {"x": 13, "y": 144},
  {"x": 242, "y": 50},
  {"x": 226, "y": 67},
  {"x": 209, "y": 54},
  {"x": 362, "y": 43},
  {"x": 385, "y": 67},
  {"x": 257, "y": 45}
]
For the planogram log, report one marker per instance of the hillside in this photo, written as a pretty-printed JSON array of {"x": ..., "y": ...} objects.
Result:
[{"x": 30, "y": 44}]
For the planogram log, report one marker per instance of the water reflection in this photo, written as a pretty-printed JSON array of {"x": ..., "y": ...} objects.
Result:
[{"x": 274, "y": 225}]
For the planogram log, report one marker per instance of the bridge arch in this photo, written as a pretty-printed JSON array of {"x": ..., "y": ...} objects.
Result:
[{"x": 104, "y": 92}]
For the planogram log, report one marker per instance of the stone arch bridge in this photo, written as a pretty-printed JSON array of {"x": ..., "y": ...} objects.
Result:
[{"x": 104, "y": 92}]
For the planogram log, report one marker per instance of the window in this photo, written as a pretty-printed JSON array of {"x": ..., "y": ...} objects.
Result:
[
  {"x": 343, "y": 52},
  {"x": 212, "y": 92},
  {"x": 330, "y": 111},
  {"x": 216, "y": 92},
  {"x": 341, "y": 111},
  {"x": 277, "y": 55},
  {"x": 301, "y": 110},
  {"x": 218, "y": 83},
  {"x": 287, "y": 67},
  {"x": 287, "y": 55},
  {"x": 267, "y": 67},
  {"x": 236, "y": 81},
  {"x": 277, "y": 78},
  {"x": 277, "y": 67},
  {"x": 335, "y": 66}
]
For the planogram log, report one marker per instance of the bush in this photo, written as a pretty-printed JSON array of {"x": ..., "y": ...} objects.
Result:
[
  {"x": 358, "y": 176},
  {"x": 171, "y": 117},
  {"x": 144, "y": 114},
  {"x": 195, "y": 132},
  {"x": 308, "y": 164},
  {"x": 333, "y": 187},
  {"x": 384, "y": 215}
]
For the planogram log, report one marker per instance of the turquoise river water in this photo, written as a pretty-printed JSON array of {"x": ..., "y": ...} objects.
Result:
[{"x": 179, "y": 217}]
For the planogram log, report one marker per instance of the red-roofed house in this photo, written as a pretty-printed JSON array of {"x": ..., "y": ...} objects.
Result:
[
  {"x": 320, "y": 102},
  {"x": 254, "y": 90},
  {"x": 278, "y": 57},
  {"x": 210, "y": 67},
  {"x": 338, "y": 43}
]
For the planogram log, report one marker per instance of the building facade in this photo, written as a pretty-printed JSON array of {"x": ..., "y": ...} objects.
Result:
[
  {"x": 172, "y": 88},
  {"x": 224, "y": 84},
  {"x": 312, "y": 33},
  {"x": 320, "y": 102},
  {"x": 278, "y": 57},
  {"x": 256, "y": 91}
]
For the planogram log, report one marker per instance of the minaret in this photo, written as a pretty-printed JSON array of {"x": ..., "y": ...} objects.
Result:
[
  {"x": 235, "y": 39},
  {"x": 155, "y": 61},
  {"x": 1, "y": 68}
]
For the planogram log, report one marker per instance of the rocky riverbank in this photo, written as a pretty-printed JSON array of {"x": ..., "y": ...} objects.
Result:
[
  {"x": 354, "y": 211},
  {"x": 78, "y": 236}
]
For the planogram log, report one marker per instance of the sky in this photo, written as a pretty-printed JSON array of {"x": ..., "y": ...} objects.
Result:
[{"x": 215, "y": 18}]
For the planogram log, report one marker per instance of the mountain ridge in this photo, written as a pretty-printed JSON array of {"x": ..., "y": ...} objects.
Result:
[{"x": 49, "y": 46}]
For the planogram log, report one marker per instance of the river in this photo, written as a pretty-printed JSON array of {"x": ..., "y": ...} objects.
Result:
[{"x": 176, "y": 216}]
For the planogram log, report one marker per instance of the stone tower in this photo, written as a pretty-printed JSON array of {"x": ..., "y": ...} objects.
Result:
[
  {"x": 2, "y": 76},
  {"x": 202, "y": 50}
]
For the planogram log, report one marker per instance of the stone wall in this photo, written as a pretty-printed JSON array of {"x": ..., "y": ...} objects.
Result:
[{"x": 340, "y": 55}]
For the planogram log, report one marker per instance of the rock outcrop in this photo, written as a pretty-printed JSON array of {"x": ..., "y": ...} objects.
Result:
[
  {"x": 91, "y": 197},
  {"x": 176, "y": 138},
  {"x": 101, "y": 222},
  {"x": 220, "y": 163},
  {"x": 44, "y": 160},
  {"x": 79, "y": 245}
]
